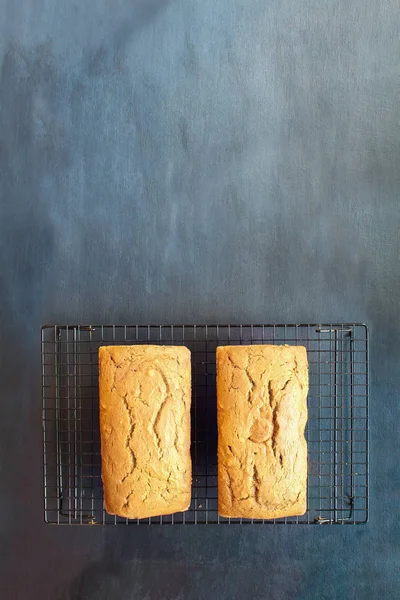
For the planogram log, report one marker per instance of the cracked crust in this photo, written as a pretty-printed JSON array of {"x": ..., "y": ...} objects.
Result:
[
  {"x": 262, "y": 412},
  {"x": 145, "y": 394}
]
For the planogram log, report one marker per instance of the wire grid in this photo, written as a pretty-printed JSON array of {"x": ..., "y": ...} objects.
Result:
[{"x": 337, "y": 429}]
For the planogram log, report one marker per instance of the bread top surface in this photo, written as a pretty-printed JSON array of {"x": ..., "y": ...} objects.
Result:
[
  {"x": 145, "y": 394},
  {"x": 262, "y": 413}
]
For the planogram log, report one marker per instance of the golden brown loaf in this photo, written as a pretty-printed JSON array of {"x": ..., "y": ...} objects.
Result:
[
  {"x": 262, "y": 413},
  {"x": 145, "y": 394}
]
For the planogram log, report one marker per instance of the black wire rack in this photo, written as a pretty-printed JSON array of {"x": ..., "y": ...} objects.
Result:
[{"x": 337, "y": 429}]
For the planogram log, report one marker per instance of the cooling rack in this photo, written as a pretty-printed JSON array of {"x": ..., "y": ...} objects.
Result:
[{"x": 337, "y": 429}]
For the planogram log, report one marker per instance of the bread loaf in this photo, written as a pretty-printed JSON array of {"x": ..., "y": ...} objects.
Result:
[
  {"x": 145, "y": 395},
  {"x": 262, "y": 413}
]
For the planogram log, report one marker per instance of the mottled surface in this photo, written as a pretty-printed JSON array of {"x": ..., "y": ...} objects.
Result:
[
  {"x": 182, "y": 161},
  {"x": 262, "y": 412},
  {"x": 145, "y": 396}
]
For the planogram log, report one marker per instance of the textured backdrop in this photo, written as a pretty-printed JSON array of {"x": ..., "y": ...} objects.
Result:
[{"x": 197, "y": 161}]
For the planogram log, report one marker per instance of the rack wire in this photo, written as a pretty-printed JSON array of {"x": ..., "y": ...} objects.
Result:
[{"x": 337, "y": 429}]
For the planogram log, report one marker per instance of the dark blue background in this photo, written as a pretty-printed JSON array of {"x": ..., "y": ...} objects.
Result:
[{"x": 197, "y": 161}]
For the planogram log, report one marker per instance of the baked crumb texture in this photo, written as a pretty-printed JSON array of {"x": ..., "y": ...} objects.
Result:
[
  {"x": 262, "y": 413},
  {"x": 145, "y": 395}
]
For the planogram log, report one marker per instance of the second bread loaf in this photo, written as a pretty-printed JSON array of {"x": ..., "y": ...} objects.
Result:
[{"x": 262, "y": 412}]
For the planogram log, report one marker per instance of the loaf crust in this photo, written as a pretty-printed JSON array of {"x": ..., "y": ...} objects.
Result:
[
  {"x": 262, "y": 412},
  {"x": 145, "y": 395}
]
